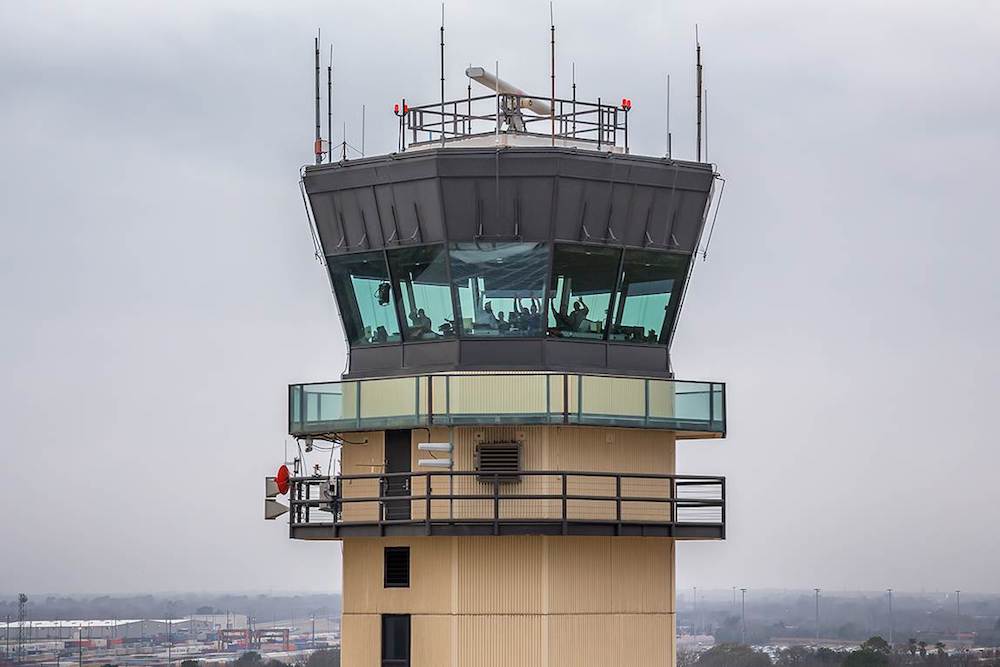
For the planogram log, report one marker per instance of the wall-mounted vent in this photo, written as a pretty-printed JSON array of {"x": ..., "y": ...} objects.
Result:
[
  {"x": 499, "y": 458},
  {"x": 397, "y": 567}
]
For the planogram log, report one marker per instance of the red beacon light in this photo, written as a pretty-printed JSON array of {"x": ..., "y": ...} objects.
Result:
[
  {"x": 395, "y": 109},
  {"x": 626, "y": 103}
]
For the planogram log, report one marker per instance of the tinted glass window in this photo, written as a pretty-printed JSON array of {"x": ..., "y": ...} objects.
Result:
[
  {"x": 500, "y": 287},
  {"x": 648, "y": 295},
  {"x": 395, "y": 639},
  {"x": 420, "y": 276},
  {"x": 364, "y": 297},
  {"x": 581, "y": 290}
]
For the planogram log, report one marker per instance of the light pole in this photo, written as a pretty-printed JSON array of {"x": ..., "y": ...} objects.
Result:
[
  {"x": 817, "y": 617},
  {"x": 958, "y": 612},
  {"x": 743, "y": 616},
  {"x": 694, "y": 622},
  {"x": 891, "y": 622}
]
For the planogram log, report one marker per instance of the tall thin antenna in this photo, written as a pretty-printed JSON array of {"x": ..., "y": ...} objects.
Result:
[
  {"x": 706, "y": 125},
  {"x": 468, "y": 120},
  {"x": 698, "y": 76},
  {"x": 329, "y": 104},
  {"x": 574, "y": 99},
  {"x": 442, "y": 74},
  {"x": 552, "y": 106},
  {"x": 362, "y": 130},
  {"x": 318, "y": 146},
  {"x": 670, "y": 152},
  {"x": 343, "y": 144}
]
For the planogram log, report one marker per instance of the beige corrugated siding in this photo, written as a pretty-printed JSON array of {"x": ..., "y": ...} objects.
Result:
[{"x": 519, "y": 600}]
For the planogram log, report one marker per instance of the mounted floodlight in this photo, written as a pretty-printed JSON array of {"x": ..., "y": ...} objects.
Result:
[
  {"x": 434, "y": 463},
  {"x": 495, "y": 85},
  {"x": 434, "y": 446},
  {"x": 270, "y": 487}
]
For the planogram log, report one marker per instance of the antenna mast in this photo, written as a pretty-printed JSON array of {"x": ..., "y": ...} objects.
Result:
[
  {"x": 552, "y": 110},
  {"x": 442, "y": 74},
  {"x": 670, "y": 152},
  {"x": 329, "y": 104},
  {"x": 698, "y": 76},
  {"x": 318, "y": 146}
]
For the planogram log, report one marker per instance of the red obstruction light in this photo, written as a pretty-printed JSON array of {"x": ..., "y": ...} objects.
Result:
[
  {"x": 406, "y": 108},
  {"x": 395, "y": 109},
  {"x": 282, "y": 479},
  {"x": 626, "y": 103}
]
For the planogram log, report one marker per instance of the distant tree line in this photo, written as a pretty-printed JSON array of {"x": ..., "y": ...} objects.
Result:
[{"x": 874, "y": 652}]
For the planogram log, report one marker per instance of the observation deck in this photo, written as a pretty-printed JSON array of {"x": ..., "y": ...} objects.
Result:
[{"x": 690, "y": 409}]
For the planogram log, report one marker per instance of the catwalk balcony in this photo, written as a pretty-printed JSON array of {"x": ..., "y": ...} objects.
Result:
[
  {"x": 691, "y": 409},
  {"x": 532, "y": 503}
]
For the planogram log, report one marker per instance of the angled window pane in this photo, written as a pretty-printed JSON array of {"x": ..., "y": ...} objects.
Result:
[
  {"x": 647, "y": 297},
  {"x": 364, "y": 298},
  {"x": 500, "y": 287},
  {"x": 420, "y": 276},
  {"x": 581, "y": 290}
]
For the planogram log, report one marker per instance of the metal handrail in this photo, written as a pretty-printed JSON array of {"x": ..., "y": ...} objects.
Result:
[
  {"x": 579, "y": 120},
  {"x": 495, "y": 488}
]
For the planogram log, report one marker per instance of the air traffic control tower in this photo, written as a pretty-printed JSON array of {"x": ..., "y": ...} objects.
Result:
[{"x": 509, "y": 282}]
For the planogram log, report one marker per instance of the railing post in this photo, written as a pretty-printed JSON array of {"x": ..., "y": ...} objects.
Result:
[
  {"x": 618, "y": 504},
  {"x": 357, "y": 394},
  {"x": 496, "y": 504},
  {"x": 381, "y": 504},
  {"x": 427, "y": 495},
  {"x": 308, "y": 497},
  {"x": 565, "y": 492},
  {"x": 336, "y": 507},
  {"x": 430, "y": 400},
  {"x": 723, "y": 484},
  {"x": 673, "y": 500},
  {"x": 645, "y": 419}
]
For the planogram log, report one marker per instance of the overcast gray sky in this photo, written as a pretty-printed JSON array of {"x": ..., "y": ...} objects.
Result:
[{"x": 159, "y": 292}]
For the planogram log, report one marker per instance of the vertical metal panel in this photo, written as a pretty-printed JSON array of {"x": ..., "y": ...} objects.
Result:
[
  {"x": 361, "y": 642},
  {"x": 430, "y": 577},
  {"x": 362, "y": 459},
  {"x": 499, "y": 575},
  {"x": 500, "y": 641}
]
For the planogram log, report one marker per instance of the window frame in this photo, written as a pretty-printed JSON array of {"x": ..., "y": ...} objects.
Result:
[
  {"x": 393, "y": 295},
  {"x": 546, "y": 278},
  {"x": 397, "y": 288},
  {"x": 673, "y": 304}
]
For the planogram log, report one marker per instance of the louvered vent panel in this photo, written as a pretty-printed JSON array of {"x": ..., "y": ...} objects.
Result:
[
  {"x": 397, "y": 567},
  {"x": 499, "y": 457}
]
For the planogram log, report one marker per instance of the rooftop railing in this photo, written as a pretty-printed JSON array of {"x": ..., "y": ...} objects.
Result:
[
  {"x": 603, "y": 125},
  {"x": 692, "y": 409},
  {"x": 538, "y": 502}
]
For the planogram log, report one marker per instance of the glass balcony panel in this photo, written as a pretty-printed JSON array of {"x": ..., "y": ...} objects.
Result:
[
  {"x": 613, "y": 399},
  {"x": 693, "y": 401},
  {"x": 507, "y": 398},
  {"x": 389, "y": 400},
  {"x": 477, "y": 399}
]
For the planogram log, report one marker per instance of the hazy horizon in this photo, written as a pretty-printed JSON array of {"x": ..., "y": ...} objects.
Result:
[{"x": 160, "y": 291}]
